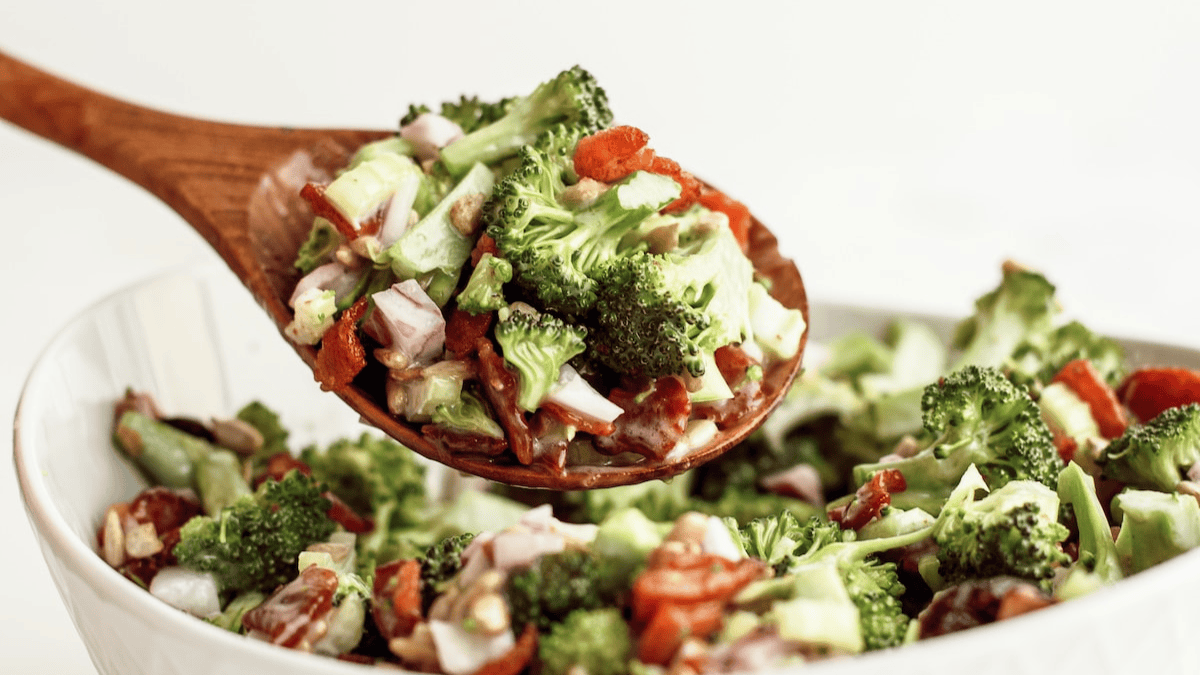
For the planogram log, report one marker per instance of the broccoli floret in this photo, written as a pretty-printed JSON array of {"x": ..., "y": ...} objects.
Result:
[
  {"x": 772, "y": 539},
  {"x": 468, "y": 112},
  {"x": 380, "y": 479},
  {"x": 555, "y": 585},
  {"x": 253, "y": 544},
  {"x": 1020, "y": 310},
  {"x": 596, "y": 642},
  {"x": 469, "y": 414},
  {"x": 537, "y": 345},
  {"x": 1155, "y": 527},
  {"x": 666, "y": 314},
  {"x": 556, "y": 253},
  {"x": 323, "y": 239},
  {"x": 1014, "y": 531},
  {"x": 1098, "y": 563},
  {"x": 973, "y": 416},
  {"x": 440, "y": 563},
  {"x": 572, "y": 98},
  {"x": 484, "y": 291},
  {"x": 1039, "y": 361},
  {"x": 1157, "y": 454},
  {"x": 872, "y": 586}
]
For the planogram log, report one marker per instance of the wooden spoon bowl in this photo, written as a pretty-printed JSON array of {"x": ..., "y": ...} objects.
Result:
[{"x": 238, "y": 186}]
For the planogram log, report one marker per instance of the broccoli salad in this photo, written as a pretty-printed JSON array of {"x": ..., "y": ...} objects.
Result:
[
  {"x": 523, "y": 281},
  {"x": 909, "y": 486}
]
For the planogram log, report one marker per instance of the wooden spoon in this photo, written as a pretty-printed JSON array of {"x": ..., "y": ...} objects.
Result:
[{"x": 239, "y": 186}]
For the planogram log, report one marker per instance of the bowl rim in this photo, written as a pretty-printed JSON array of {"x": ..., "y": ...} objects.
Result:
[{"x": 58, "y": 538}]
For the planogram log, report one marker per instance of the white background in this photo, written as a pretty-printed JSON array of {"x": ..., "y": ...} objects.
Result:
[{"x": 900, "y": 150}]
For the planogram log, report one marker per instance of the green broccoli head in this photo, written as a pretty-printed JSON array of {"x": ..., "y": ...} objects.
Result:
[
  {"x": 253, "y": 544},
  {"x": 595, "y": 641},
  {"x": 1020, "y": 310},
  {"x": 573, "y": 98},
  {"x": 666, "y": 314},
  {"x": 556, "y": 585},
  {"x": 773, "y": 539},
  {"x": 440, "y": 563},
  {"x": 1157, "y": 454},
  {"x": 468, "y": 112},
  {"x": 1040, "y": 360},
  {"x": 537, "y": 345},
  {"x": 484, "y": 291},
  {"x": 875, "y": 589},
  {"x": 973, "y": 416},
  {"x": 555, "y": 251},
  {"x": 1013, "y": 531}
]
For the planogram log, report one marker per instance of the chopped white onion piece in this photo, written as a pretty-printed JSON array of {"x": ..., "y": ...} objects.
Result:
[
  {"x": 413, "y": 321},
  {"x": 574, "y": 393},
  {"x": 192, "y": 592},
  {"x": 718, "y": 540},
  {"x": 461, "y": 652},
  {"x": 430, "y": 132}
]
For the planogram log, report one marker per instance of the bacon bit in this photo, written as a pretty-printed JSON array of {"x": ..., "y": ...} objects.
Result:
[
  {"x": 396, "y": 605},
  {"x": 688, "y": 185},
  {"x": 163, "y": 507},
  {"x": 869, "y": 499},
  {"x": 342, "y": 355},
  {"x": 314, "y": 194},
  {"x": 739, "y": 215},
  {"x": 464, "y": 329},
  {"x": 974, "y": 603},
  {"x": 500, "y": 388},
  {"x": 514, "y": 660},
  {"x": 1081, "y": 377},
  {"x": 683, "y": 596},
  {"x": 279, "y": 466},
  {"x": 1066, "y": 446},
  {"x": 456, "y": 441},
  {"x": 581, "y": 422},
  {"x": 652, "y": 422},
  {"x": 1147, "y": 392},
  {"x": 611, "y": 154},
  {"x": 485, "y": 244},
  {"x": 287, "y": 618},
  {"x": 341, "y": 513}
]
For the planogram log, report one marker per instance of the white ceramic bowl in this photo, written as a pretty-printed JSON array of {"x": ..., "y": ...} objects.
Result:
[{"x": 196, "y": 341}]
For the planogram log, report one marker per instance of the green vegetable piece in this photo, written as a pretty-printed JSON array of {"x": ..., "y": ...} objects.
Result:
[
  {"x": 556, "y": 585},
  {"x": 573, "y": 98},
  {"x": 593, "y": 641},
  {"x": 434, "y": 243},
  {"x": 253, "y": 544},
  {"x": 469, "y": 415},
  {"x": 167, "y": 454},
  {"x": 1155, "y": 527},
  {"x": 1020, "y": 310},
  {"x": 1157, "y": 454},
  {"x": 361, "y": 189},
  {"x": 219, "y": 480},
  {"x": 230, "y": 618},
  {"x": 323, "y": 239},
  {"x": 973, "y": 416},
  {"x": 440, "y": 563},
  {"x": 537, "y": 345},
  {"x": 1098, "y": 556},
  {"x": 484, "y": 291}
]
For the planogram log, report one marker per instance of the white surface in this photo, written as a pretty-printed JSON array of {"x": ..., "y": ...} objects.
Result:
[{"x": 900, "y": 150}]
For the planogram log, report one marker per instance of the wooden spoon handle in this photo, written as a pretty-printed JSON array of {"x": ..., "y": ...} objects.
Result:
[{"x": 208, "y": 172}]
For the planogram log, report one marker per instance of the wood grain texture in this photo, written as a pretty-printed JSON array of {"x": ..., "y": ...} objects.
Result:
[{"x": 238, "y": 186}]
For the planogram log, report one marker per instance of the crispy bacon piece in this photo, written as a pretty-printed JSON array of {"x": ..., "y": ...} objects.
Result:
[
  {"x": 611, "y": 154},
  {"x": 341, "y": 513},
  {"x": 342, "y": 355},
  {"x": 733, "y": 362},
  {"x": 279, "y": 465},
  {"x": 870, "y": 499},
  {"x": 484, "y": 244},
  {"x": 684, "y": 595},
  {"x": 314, "y": 194},
  {"x": 974, "y": 603},
  {"x": 583, "y": 423},
  {"x": 652, "y": 422},
  {"x": 396, "y": 605},
  {"x": 1149, "y": 391},
  {"x": 739, "y": 215},
  {"x": 689, "y": 186},
  {"x": 500, "y": 388},
  {"x": 1081, "y": 377},
  {"x": 463, "y": 329},
  {"x": 292, "y": 616},
  {"x": 166, "y": 508}
]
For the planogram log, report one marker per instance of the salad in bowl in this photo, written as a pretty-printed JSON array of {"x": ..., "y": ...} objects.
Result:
[{"x": 919, "y": 484}]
